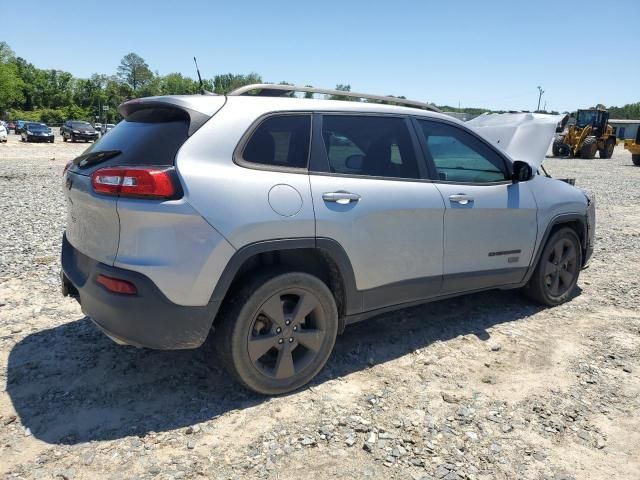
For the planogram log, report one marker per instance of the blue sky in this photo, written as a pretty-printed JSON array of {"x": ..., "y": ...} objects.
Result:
[{"x": 479, "y": 53}]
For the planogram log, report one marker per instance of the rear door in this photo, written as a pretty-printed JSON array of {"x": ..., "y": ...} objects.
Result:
[
  {"x": 490, "y": 223},
  {"x": 369, "y": 195}
]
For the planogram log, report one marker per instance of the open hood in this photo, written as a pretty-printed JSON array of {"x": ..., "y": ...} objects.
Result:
[{"x": 523, "y": 136}]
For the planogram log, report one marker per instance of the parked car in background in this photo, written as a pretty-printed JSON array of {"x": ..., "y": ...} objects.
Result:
[
  {"x": 10, "y": 126},
  {"x": 226, "y": 211},
  {"x": 3, "y": 134},
  {"x": 106, "y": 127},
  {"x": 98, "y": 127},
  {"x": 76, "y": 130},
  {"x": 36, "y": 132},
  {"x": 19, "y": 125}
]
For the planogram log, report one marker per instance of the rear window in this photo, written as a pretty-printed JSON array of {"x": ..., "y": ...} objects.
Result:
[
  {"x": 138, "y": 143},
  {"x": 281, "y": 141}
]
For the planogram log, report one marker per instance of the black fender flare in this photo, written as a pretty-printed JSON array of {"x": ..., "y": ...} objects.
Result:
[
  {"x": 555, "y": 221},
  {"x": 331, "y": 248}
]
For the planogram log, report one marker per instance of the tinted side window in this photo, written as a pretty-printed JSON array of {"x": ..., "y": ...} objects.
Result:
[
  {"x": 372, "y": 146},
  {"x": 281, "y": 142},
  {"x": 461, "y": 157}
]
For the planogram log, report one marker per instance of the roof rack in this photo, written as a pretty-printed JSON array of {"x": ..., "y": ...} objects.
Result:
[{"x": 272, "y": 90}]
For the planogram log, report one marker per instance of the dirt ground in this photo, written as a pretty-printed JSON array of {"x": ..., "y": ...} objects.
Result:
[{"x": 481, "y": 387}]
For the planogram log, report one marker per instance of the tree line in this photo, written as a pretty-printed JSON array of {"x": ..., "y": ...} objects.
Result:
[{"x": 52, "y": 96}]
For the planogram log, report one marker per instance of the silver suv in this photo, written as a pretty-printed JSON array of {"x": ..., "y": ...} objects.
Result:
[{"x": 272, "y": 222}]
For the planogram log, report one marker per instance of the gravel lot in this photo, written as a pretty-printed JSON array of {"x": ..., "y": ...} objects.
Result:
[{"x": 481, "y": 387}]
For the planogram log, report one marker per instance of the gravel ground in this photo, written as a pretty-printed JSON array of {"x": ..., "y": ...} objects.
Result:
[{"x": 481, "y": 387}]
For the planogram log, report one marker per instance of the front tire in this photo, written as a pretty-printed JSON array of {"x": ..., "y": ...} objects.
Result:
[
  {"x": 607, "y": 151},
  {"x": 558, "y": 269},
  {"x": 636, "y": 160},
  {"x": 589, "y": 148},
  {"x": 277, "y": 332},
  {"x": 557, "y": 148}
]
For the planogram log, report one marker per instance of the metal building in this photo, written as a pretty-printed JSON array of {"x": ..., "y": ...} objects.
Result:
[{"x": 625, "y": 129}]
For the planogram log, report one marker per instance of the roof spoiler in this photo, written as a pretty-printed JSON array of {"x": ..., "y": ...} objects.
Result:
[{"x": 162, "y": 109}]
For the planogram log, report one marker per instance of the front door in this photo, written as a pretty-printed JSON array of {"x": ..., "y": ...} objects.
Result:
[
  {"x": 374, "y": 201},
  {"x": 490, "y": 223}
]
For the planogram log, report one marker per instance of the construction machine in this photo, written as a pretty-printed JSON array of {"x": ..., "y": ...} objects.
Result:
[
  {"x": 590, "y": 134},
  {"x": 634, "y": 148}
]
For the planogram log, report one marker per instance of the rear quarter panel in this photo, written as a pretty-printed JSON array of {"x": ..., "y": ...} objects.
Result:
[{"x": 235, "y": 199}]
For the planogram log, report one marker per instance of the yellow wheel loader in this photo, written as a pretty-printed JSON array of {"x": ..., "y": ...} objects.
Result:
[
  {"x": 590, "y": 134},
  {"x": 634, "y": 148}
]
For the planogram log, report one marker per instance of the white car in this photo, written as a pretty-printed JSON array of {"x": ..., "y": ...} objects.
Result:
[{"x": 3, "y": 133}]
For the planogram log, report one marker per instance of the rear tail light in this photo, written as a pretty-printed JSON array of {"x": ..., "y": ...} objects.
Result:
[
  {"x": 66, "y": 167},
  {"x": 116, "y": 285},
  {"x": 141, "y": 182}
]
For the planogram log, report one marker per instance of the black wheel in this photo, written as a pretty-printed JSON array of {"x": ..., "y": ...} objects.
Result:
[
  {"x": 558, "y": 147},
  {"x": 277, "y": 332},
  {"x": 64, "y": 138},
  {"x": 558, "y": 269},
  {"x": 73, "y": 139},
  {"x": 589, "y": 148},
  {"x": 636, "y": 160},
  {"x": 607, "y": 151},
  {"x": 51, "y": 141}
]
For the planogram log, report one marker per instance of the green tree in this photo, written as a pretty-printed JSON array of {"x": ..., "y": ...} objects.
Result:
[
  {"x": 343, "y": 88},
  {"x": 228, "y": 82},
  {"x": 176, "y": 84},
  {"x": 11, "y": 84},
  {"x": 134, "y": 71}
]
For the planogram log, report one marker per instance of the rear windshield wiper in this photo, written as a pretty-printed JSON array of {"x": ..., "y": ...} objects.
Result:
[{"x": 92, "y": 158}]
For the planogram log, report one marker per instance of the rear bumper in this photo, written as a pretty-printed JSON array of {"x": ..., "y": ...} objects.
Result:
[{"x": 146, "y": 319}]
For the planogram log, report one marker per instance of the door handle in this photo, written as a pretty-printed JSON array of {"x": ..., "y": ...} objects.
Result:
[
  {"x": 342, "y": 198},
  {"x": 461, "y": 198}
]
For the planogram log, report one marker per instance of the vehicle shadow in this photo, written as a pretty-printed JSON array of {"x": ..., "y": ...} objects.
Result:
[{"x": 71, "y": 384}]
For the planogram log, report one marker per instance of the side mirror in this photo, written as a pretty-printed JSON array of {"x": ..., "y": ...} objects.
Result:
[{"x": 522, "y": 171}]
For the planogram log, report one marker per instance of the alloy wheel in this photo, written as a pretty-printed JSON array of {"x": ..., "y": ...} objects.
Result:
[
  {"x": 561, "y": 267},
  {"x": 287, "y": 333}
]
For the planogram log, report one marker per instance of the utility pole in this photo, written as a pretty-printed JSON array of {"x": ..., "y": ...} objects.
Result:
[{"x": 539, "y": 96}]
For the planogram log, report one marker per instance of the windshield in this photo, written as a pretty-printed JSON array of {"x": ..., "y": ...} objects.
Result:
[
  {"x": 36, "y": 127},
  {"x": 80, "y": 124},
  {"x": 586, "y": 117}
]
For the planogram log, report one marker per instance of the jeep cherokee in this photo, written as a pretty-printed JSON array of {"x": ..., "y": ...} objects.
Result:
[{"x": 272, "y": 222}]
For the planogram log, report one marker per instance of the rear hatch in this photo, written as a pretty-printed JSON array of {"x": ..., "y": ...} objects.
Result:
[{"x": 152, "y": 132}]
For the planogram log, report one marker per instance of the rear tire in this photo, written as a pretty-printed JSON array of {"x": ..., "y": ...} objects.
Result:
[
  {"x": 636, "y": 160},
  {"x": 556, "y": 275},
  {"x": 265, "y": 344},
  {"x": 589, "y": 148},
  {"x": 64, "y": 138}
]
